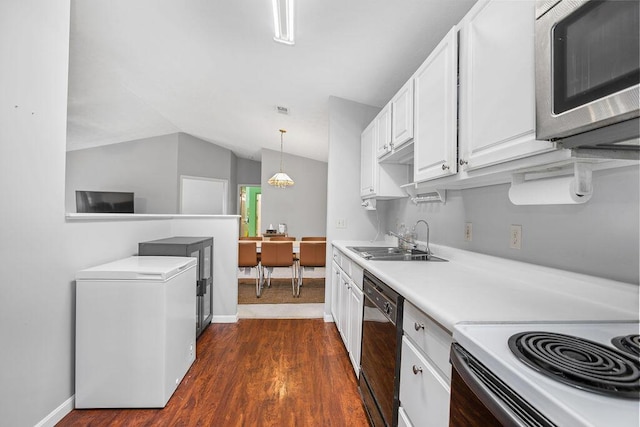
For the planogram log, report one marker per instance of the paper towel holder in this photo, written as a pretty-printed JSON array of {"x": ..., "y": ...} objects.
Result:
[
  {"x": 369, "y": 204},
  {"x": 581, "y": 184}
]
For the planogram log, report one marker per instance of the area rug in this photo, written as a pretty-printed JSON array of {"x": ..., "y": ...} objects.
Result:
[{"x": 312, "y": 291}]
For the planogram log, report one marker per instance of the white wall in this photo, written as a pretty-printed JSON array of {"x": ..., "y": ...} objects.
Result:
[
  {"x": 204, "y": 159},
  {"x": 249, "y": 172},
  {"x": 148, "y": 167},
  {"x": 303, "y": 207},
  {"x": 36, "y": 360},
  {"x": 40, "y": 251},
  {"x": 599, "y": 238},
  {"x": 151, "y": 168},
  {"x": 347, "y": 120}
]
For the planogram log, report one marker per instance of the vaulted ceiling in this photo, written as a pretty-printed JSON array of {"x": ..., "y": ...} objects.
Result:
[{"x": 210, "y": 68}]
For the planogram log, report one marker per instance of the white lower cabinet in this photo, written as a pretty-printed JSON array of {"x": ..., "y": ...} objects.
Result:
[
  {"x": 425, "y": 371},
  {"x": 356, "y": 300},
  {"x": 347, "y": 301},
  {"x": 424, "y": 393},
  {"x": 335, "y": 292},
  {"x": 344, "y": 308},
  {"x": 403, "y": 420}
]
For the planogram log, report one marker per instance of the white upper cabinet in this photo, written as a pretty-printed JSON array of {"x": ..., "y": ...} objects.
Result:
[
  {"x": 368, "y": 162},
  {"x": 383, "y": 131},
  {"x": 378, "y": 180},
  {"x": 435, "y": 90},
  {"x": 497, "y": 96},
  {"x": 402, "y": 115}
]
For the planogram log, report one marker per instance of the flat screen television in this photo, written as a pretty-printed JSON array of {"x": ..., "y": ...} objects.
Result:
[{"x": 104, "y": 202}]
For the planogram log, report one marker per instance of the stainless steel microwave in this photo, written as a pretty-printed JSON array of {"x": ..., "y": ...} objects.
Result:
[{"x": 588, "y": 73}]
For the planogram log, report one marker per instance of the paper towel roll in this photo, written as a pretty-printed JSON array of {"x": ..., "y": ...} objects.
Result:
[{"x": 550, "y": 191}]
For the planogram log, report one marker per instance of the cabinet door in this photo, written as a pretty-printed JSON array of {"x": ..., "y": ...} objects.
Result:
[
  {"x": 497, "y": 84},
  {"x": 423, "y": 393},
  {"x": 335, "y": 293},
  {"x": 435, "y": 141},
  {"x": 402, "y": 115},
  {"x": 344, "y": 309},
  {"x": 368, "y": 161},
  {"x": 356, "y": 299},
  {"x": 383, "y": 139}
]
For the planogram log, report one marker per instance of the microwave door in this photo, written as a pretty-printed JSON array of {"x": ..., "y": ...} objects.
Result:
[{"x": 588, "y": 70}]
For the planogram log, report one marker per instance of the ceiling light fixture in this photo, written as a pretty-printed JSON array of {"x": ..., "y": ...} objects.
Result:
[
  {"x": 283, "y": 21},
  {"x": 281, "y": 179}
]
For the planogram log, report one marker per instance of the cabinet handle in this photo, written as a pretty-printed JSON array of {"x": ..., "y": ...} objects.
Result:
[
  {"x": 417, "y": 370},
  {"x": 385, "y": 146},
  {"x": 418, "y": 326},
  {"x": 463, "y": 162},
  {"x": 444, "y": 167}
]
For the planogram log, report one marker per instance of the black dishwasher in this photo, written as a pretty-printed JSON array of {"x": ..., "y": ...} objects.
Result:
[
  {"x": 196, "y": 247},
  {"x": 380, "y": 361}
]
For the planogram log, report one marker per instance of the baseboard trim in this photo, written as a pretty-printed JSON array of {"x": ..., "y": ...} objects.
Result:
[
  {"x": 59, "y": 413},
  {"x": 328, "y": 318},
  {"x": 225, "y": 319}
]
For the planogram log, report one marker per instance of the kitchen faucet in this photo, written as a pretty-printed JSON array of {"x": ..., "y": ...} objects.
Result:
[{"x": 427, "y": 224}]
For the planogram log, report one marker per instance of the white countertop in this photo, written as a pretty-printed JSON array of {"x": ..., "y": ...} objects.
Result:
[{"x": 474, "y": 287}]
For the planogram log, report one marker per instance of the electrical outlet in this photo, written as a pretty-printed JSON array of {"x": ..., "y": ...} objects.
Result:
[
  {"x": 341, "y": 223},
  {"x": 515, "y": 237},
  {"x": 468, "y": 232}
]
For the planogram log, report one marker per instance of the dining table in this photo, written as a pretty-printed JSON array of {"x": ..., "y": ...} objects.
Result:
[{"x": 296, "y": 245}]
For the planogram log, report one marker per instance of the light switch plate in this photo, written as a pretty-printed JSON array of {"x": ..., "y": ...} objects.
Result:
[
  {"x": 468, "y": 232},
  {"x": 515, "y": 237}
]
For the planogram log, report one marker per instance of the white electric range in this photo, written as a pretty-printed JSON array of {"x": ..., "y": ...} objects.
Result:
[{"x": 560, "y": 396}]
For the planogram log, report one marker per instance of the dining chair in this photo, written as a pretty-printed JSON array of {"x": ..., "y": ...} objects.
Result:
[
  {"x": 312, "y": 254},
  {"x": 286, "y": 239},
  {"x": 247, "y": 259},
  {"x": 319, "y": 238},
  {"x": 278, "y": 254},
  {"x": 252, "y": 238}
]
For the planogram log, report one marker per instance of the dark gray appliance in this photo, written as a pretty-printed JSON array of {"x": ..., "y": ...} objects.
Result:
[
  {"x": 380, "y": 361},
  {"x": 196, "y": 247}
]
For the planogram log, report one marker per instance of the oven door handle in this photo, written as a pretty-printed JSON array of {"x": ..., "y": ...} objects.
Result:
[{"x": 506, "y": 405}]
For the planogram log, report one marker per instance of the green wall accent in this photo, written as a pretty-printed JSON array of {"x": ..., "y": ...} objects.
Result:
[{"x": 252, "y": 203}]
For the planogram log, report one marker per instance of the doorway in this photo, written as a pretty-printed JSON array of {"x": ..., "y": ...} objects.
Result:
[{"x": 250, "y": 210}]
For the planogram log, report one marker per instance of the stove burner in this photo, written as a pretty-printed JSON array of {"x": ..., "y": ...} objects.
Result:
[
  {"x": 628, "y": 343},
  {"x": 579, "y": 363}
]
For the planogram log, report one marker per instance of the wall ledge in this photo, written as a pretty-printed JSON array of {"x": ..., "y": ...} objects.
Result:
[{"x": 139, "y": 217}]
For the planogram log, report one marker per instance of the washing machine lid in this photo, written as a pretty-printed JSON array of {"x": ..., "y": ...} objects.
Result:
[{"x": 160, "y": 268}]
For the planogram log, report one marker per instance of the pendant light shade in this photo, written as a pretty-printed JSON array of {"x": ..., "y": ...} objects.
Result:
[{"x": 281, "y": 179}]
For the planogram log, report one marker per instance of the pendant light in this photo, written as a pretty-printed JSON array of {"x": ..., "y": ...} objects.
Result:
[{"x": 281, "y": 179}]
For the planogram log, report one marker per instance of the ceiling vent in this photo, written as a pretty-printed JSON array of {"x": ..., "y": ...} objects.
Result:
[{"x": 282, "y": 110}]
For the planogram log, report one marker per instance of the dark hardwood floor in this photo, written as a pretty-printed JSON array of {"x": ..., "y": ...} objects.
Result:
[{"x": 255, "y": 373}]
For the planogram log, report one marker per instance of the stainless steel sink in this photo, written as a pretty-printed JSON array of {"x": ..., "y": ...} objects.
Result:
[{"x": 392, "y": 253}]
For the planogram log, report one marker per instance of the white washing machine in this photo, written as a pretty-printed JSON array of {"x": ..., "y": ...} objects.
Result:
[{"x": 135, "y": 331}]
